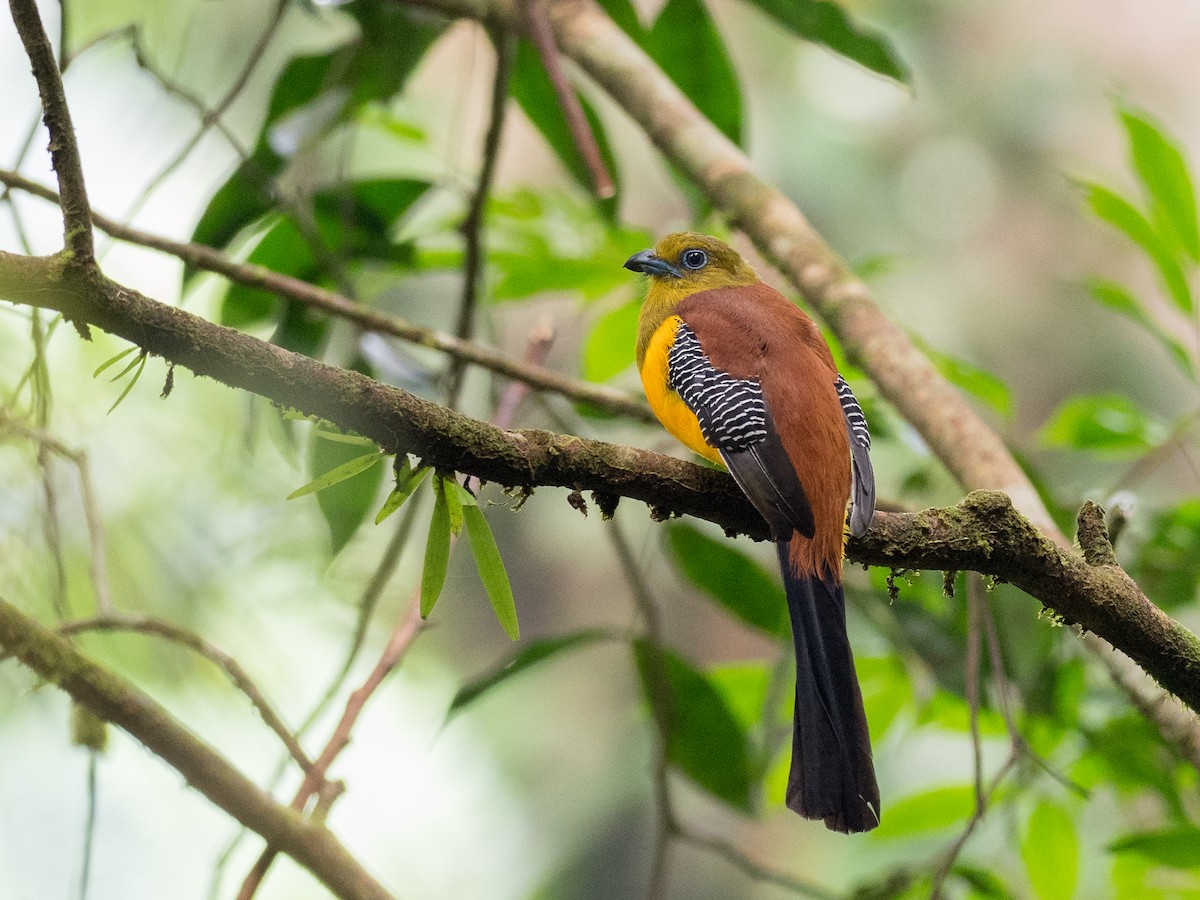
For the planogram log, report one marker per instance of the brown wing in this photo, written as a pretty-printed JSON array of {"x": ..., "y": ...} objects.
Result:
[{"x": 754, "y": 332}]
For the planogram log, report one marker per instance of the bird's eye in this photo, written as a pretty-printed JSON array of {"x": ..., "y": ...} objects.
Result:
[{"x": 694, "y": 259}]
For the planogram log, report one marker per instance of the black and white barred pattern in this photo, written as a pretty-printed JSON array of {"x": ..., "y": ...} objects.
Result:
[
  {"x": 854, "y": 414},
  {"x": 731, "y": 411}
]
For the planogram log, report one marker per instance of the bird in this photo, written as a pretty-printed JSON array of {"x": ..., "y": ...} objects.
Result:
[{"x": 743, "y": 377}]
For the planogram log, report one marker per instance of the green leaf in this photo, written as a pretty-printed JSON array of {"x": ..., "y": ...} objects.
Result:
[
  {"x": 971, "y": 379},
  {"x": 532, "y": 90},
  {"x": 371, "y": 68},
  {"x": 1167, "y": 564},
  {"x": 609, "y": 347},
  {"x": 1121, "y": 214},
  {"x": 931, "y": 810},
  {"x": 1050, "y": 849},
  {"x": 886, "y": 689},
  {"x": 338, "y": 437},
  {"x": 703, "y": 738},
  {"x": 347, "y": 491},
  {"x": 1120, "y": 300},
  {"x": 730, "y": 577},
  {"x": 1102, "y": 423},
  {"x": 491, "y": 568},
  {"x": 1163, "y": 171},
  {"x": 454, "y": 505},
  {"x": 826, "y": 23},
  {"x": 140, "y": 362},
  {"x": 529, "y": 655},
  {"x": 1176, "y": 847},
  {"x": 743, "y": 687},
  {"x": 437, "y": 551},
  {"x": 281, "y": 249},
  {"x": 408, "y": 480},
  {"x": 113, "y": 360},
  {"x": 348, "y": 469},
  {"x": 688, "y": 47}
]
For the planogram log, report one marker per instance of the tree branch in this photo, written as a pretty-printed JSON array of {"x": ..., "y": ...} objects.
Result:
[
  {"x": 64, "y": 148},
  {"x": 210, "y": 260},
  {"x": 112, "y": 699},
  {"x": 984, "y": 533}
]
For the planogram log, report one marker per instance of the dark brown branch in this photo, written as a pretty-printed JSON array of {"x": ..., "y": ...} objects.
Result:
[
  {"x": 112, "y": 699},
  {"x": 210, "y": 260},
  {"x": 64, "y": 147},
  {"x": 541, "y": 35},
  {"x": 984, "y": 533}
]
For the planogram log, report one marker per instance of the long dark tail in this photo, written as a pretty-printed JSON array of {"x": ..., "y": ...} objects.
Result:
[{"x": 832, "y": 777}]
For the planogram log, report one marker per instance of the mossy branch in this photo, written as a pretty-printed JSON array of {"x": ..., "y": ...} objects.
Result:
[
  {"x": 984, "y": 533},
  {"x": 110, "y": 698}
]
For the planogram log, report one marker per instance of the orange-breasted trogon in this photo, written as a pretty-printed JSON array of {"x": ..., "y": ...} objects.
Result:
[{"x": 744, "y": 378}]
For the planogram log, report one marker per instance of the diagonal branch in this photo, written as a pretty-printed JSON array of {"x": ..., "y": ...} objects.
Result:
[
  {"x": 64, "y": 147},
  {"x": 112, "y": 699},
  {"x": 984, "y": 533},
  {"x": 211, "y": 260}
]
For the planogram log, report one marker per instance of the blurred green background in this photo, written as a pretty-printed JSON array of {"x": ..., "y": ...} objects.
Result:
[{"x": 956, "y": 193}]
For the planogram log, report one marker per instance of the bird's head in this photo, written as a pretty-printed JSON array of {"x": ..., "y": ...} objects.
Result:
[{"x": 686, "y": 262}]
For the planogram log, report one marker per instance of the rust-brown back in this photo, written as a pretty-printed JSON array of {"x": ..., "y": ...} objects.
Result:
[{"x": 740, "y": 329}]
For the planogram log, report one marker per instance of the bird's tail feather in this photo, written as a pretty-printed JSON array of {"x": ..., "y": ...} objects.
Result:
[{"x": 832, "y": 776}]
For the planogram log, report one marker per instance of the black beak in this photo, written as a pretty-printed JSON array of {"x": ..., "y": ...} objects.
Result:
[{"x": 649, "y": 264}]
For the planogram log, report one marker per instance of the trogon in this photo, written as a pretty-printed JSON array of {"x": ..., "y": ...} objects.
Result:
[{"x": 744, "y": 378}]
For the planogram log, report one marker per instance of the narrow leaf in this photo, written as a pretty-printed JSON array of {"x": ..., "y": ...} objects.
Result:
[
  {"x": 930, "y": 810},
  {"x": 703, "y": 737},
  {"x": 346, "y": 470},
  {"x": 1164, "y": 173},
  {"x": 339, "y": 438},
  {"x": 689, "y": 48},
  {"x": 1104, "y": 422},
  {"x": 609, "y": 347},
  {"x": 437, "y": 553},
  {"x": 491, "y": 568},
  {"x": 1050, "y": 849},
  {"x": 824, "y": 22},
  {"x": 407, "y": 481},
  {"x": 730, "y": 577},
  {"x": 531, "y": 654},
  {"x": 1175, "y": 847},
  {"x": 113, "y": 360},
  {"x": 1120, "y": 300},
  {"x": 454, "y": 506},
  {"x": 1124, "y": 216},
  {"x": 141, "y": 365},
  {"x": 972, "y": 379}
]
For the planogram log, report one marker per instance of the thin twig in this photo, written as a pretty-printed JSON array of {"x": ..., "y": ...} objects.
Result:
[
  {"x": 472, "y": 224},
  {"x": 537, "y": 24},
  {"x": 98, "y": 562},
  {"x": 975, "y": 602},
  {"x": 975, "y": 613},
  {"x": 115, "y": 621},
  {"x": 208, "y": 259},
  {"x": 739, "y": 860},
  {"x": 64, "y": 147},
  {"x": 111, "y": 698},
  {"x": 661, "y": 708},
  {"x": 210, "y": 117},
  {"x": 89, "y": 821}
]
